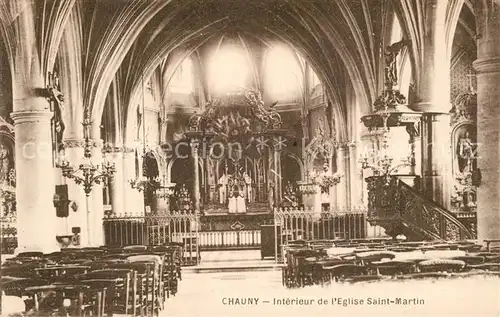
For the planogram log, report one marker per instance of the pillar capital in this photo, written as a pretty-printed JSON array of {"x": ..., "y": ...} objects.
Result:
[
  {"x": 80, "y": 143},
  {"x": 24, "y": 116},
  {"x": 487, "y": 65}
]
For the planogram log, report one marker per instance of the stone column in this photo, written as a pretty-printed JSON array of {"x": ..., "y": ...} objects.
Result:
[
  {"x": 74, "y": 154},
  {"x": 433, "y": 99},
  {"x": 487, "y": 67},
  {"x": 118, "y": 182},
  {"x": 36, "y": 215},
  {"x": 415, "y": 145},
  {"x": 196, "y": 186},
  {"x": 436, "y": 154},
  {"x": 355, "y": 180},
  {"x": 134, "y": 200},
  {"x": 342, "y": 185}
]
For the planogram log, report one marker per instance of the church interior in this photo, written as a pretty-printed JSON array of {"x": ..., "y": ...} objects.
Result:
[{"x": 313, "y": 142}]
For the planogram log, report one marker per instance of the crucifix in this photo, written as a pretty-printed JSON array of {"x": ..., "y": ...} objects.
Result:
[{"x": 471, "y": 75}]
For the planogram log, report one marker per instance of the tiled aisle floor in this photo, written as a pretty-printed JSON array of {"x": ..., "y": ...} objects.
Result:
[{"x": 207, "y": 294}]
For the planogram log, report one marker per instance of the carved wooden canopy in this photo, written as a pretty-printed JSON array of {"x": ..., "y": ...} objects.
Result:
[{"x": 235, "y": 116}]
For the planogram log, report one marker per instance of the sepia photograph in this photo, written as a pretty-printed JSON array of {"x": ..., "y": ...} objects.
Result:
[{"x": 213, "y": 158}]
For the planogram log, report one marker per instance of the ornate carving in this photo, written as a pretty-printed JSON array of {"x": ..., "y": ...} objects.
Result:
[
  {"x": 195, "y": 122},
  {"x": 467, "y": 177},
  {"x": 6, "y": 126},
  {"x": 235, "y": 114},
  {"x": 117, "y": 149},
  {"x": 56, "y": 100},
  {"x": 78, "y": 143},
  {"x": 184, "y": 201},
  {"x": 401, "y": 210},
  {"x": 73, "y": 143},
  {"x": 391, "y": 52},
  {"x": 290, "y": 195},
  {"x": 390, "y": 99},
  {"x": 464, "y": 108}
]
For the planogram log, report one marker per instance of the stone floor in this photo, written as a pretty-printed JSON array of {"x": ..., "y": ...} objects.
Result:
[
  {"x": 238, "y": 283},
  {"x": 236, "y": 260},
  {"x": 261, "y": 294}
]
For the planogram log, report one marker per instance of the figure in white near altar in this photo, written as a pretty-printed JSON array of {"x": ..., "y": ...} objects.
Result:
[
  {"x": 223, "y": 181},
  {"x": 236, "y": 202},
  {"x": 248, "y": 187}
]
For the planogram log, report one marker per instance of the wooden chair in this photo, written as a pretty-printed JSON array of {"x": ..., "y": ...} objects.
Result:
[
  {"x": 135, "y": 248},
  {"x": 392, "y": 268},
  {"x": 441, "y": 265},
  {"x": 121, "y": 295},
  {"x": 148, "y": 280},
  {"x": 100, "y": 292},
  {"x": 342, "y": 271},
  {"x": 57, "y": 299},
  {"x": 60, "y": 273}
]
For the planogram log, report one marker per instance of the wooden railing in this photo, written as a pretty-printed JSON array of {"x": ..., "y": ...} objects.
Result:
[
  {"x": 308, "y": 224},
  {"x": 400, "y": 209},
  {"x": 225, "y": 239},
  {"x": 152, "y": 230}
]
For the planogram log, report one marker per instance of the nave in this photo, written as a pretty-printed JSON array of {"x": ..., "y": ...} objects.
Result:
[{"x": 138, "y": 139}]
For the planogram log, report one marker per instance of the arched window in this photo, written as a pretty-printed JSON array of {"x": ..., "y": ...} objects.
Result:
[
  {"x": 183, "y": 78},
  {"x": 228, "y": 69},
  {"x": 283, "y": 73}
]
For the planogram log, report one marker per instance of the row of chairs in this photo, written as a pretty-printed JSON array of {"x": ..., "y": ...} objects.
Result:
[
  {"x": 133, "y": 280},
  {"x": 311, "y": 263}
]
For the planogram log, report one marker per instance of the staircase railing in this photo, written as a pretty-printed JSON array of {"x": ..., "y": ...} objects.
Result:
[{"x": 400, "y": 209}]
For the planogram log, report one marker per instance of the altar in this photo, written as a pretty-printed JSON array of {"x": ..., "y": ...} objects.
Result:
[
  {"x": 234, "y": 163},
  {"x": 234, "y": 222}
]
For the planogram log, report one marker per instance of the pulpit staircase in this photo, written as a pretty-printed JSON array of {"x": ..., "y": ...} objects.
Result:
[{"x": 402, "y": 209}]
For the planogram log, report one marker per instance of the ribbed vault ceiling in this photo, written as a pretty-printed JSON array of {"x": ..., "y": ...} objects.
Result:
[
  {"x": 336, "y": 37},
  {"x": 128, "y": 39}
]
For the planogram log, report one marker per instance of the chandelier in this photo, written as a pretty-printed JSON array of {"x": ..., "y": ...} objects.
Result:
[
  {"x": 143, "y": 184},
  {"x": 380, "y": 162},
  {"x": 87, "y": 174}
]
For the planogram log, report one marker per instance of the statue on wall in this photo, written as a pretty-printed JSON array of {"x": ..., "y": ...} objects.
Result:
[
  {"x": 467, "y": 177},
  {"x": 248, "y": 187},
  {"x": 4, "y": 164},
  {"x": 320, "y": 129},
  {"x": 465, "y": 153},
  {"x": 223, "y": 181},
  {"x": 139, "y": 121},
  {"x": 56, "y": 99},
  {"x": 390, "y": 54}
]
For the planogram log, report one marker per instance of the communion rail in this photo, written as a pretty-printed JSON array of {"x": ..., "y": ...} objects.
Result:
[
  {"x": 186, "y": 228},
  {"x": 308, "y": 224},
  {"x": 152, "y": 230},
  {"x": 293, "y": 224},
  {"x": 122, "y": 230}
]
